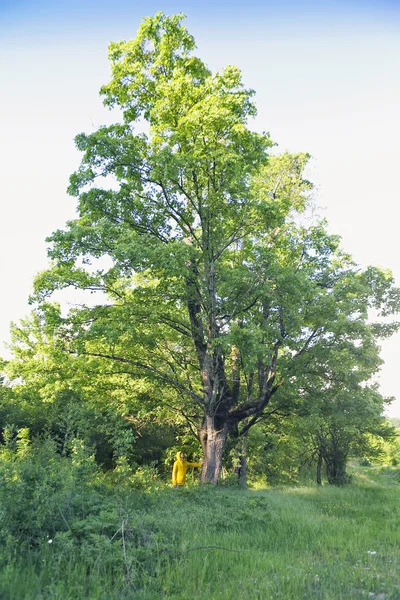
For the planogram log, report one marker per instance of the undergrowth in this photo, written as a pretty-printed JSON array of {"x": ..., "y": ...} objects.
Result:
[{"x": 71, "y": 532}]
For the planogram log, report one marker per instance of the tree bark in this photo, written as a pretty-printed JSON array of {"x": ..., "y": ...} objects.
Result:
[
  {"x": 335, "y": 459},
  {"x": 336, "y": 468},
  {"x": 212, "y": 441}
]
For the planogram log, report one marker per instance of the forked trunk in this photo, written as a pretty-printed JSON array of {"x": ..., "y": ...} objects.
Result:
[
  {"x": 212, "y": 441},
  {"x": 335, "y": 463}
]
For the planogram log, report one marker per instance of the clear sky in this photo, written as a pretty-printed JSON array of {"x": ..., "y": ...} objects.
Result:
[{"x": 327, "y": 77}]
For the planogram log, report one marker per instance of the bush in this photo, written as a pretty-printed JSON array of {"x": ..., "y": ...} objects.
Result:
[
  {"x": 139, "y": 478},
  {"x": 64, "y": 509},
  {"x": 40, "y": 491}
]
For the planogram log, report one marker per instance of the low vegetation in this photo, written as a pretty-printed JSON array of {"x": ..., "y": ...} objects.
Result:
[{"x": 69, "y": 531}]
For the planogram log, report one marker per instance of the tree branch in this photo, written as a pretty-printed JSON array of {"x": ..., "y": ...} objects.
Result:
[{"x": 145, "y": 367}]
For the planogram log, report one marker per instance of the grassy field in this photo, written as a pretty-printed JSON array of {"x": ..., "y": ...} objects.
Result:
[{"x": 194, "y": 543}]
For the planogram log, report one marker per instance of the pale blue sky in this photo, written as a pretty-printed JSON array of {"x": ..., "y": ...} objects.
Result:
[{"x": 327, "y": 77}]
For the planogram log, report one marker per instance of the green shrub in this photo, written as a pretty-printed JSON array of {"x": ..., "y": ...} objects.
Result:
[
  {"x": 40, "y": 491},
  {"x": 63, "y": 511}
]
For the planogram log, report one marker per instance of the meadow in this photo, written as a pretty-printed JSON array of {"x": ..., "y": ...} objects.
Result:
[{"x": 114, "y": 542}]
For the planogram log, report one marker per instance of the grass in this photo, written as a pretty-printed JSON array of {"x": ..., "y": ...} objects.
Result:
[
  {"x": 295, "y": 543},
  {"x": 194, "y": 543}
]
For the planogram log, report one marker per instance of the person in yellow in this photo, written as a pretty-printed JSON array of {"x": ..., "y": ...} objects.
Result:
[{"x": 179, "y": 470}]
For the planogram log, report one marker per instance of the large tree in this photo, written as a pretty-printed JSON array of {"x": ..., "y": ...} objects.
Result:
[{"x": 215, "y": 286}]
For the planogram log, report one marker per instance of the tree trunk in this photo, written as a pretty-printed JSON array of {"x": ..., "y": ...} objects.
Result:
[
  {"x": 212, "y": 441},
  {"x": 243, "y": 461},
  {"x": 319, "y": 467},
  {"x": 335, "y": 459}
]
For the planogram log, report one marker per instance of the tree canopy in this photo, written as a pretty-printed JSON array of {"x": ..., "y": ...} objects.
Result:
[{"x": 221, "y": 289}]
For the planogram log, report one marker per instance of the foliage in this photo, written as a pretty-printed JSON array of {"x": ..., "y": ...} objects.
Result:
[
  {"x": 40, "y": 490},
  {"x": 64, "y": 396},
  {"x": 318, "y": 445},
  {"x": 390, "y": 451},
  {"x": 63, "y": 508},
  {"x": 344, "y": 425},
  {"x": 220, "y": 289},
  {"x": 197, "y": 542}
]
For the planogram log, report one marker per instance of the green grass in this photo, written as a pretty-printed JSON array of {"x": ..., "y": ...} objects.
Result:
[{"x": 289, "y": 543}]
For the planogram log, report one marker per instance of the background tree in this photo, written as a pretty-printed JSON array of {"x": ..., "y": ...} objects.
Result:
[
  {"x": 215, "y": 288},
  {"x": 69, "y": 397},
  {"x": 344, "y": 426}
]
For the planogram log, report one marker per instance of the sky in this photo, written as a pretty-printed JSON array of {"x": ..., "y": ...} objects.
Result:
[{"x": 327, "y": 81}]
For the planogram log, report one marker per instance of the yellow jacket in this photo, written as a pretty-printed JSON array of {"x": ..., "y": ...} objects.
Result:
[{"x": 180, "y": 468}]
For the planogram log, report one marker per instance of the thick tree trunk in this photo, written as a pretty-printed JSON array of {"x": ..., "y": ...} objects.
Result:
[
  {"x": 335, "y": 462},
  {"x": 212, "y": 441},
  {"x": 335, "y": 459}
]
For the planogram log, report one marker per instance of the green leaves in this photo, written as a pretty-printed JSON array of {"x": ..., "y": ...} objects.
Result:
[
  {"x": 139, "y": 67},
  {"x": 219, "y": 283}
]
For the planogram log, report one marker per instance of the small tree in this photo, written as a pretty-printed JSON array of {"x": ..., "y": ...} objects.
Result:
[{"x": 342, "y": 423}]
